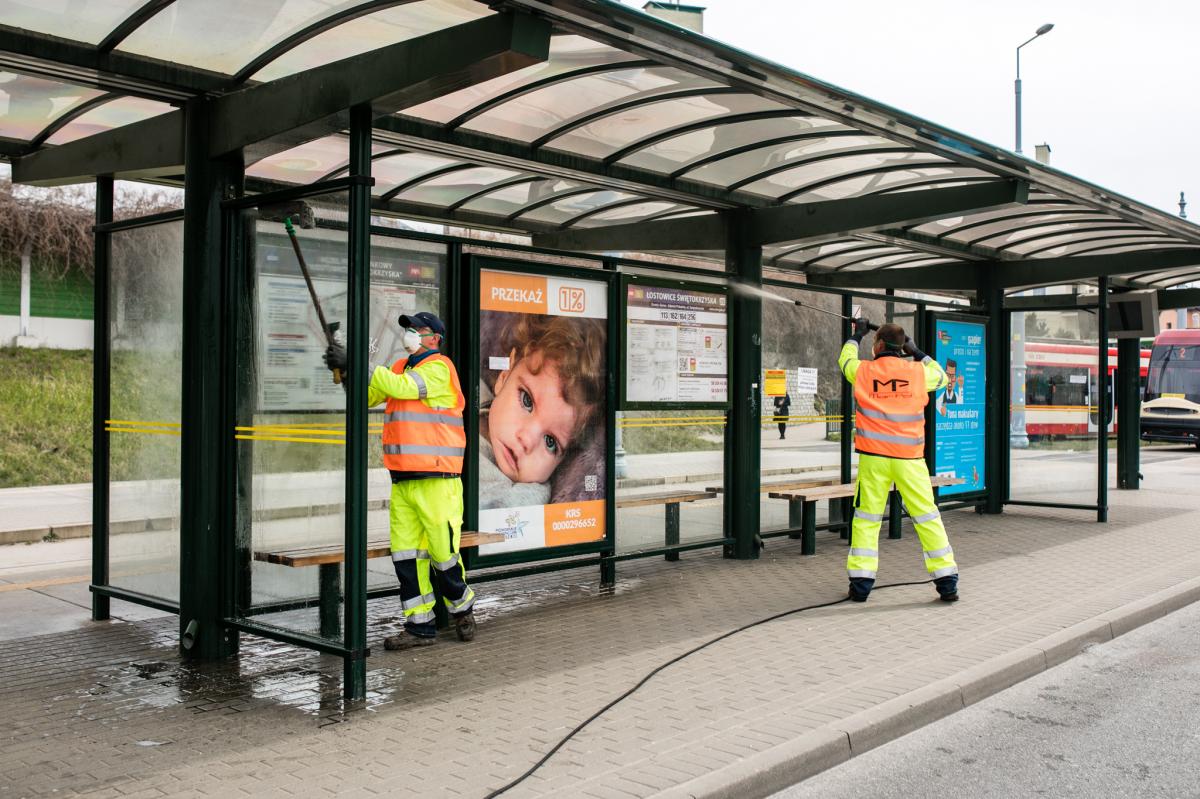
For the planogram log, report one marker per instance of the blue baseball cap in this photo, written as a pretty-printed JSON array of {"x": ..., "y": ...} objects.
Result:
[{"x": 424, "y": 319}]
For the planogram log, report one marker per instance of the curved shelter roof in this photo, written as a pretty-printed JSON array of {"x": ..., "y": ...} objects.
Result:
[{"x": 615, "y": 131}]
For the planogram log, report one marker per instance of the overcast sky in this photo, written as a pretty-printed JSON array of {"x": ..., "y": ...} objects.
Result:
[{"x": 1113, "y": 88}]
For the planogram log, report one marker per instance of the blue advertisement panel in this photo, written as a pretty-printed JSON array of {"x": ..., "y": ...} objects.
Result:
[{"x": 959, "y": 408}]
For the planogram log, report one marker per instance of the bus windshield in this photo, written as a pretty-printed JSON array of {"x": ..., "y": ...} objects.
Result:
[{"x": 1174, "y": 369}]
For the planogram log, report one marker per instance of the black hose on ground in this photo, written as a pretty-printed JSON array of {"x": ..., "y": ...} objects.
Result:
[{"x": 546, "y": 757}]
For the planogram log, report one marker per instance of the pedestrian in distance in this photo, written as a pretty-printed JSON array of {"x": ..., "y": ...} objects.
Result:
[
  {"x": 891, "y": 393},
  {"x": 783, "y": 406},
  {"x": 424, "y": 442}
]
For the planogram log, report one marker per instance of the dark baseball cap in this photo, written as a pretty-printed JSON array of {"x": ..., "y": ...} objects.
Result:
[{"x": 424, "y": 319}]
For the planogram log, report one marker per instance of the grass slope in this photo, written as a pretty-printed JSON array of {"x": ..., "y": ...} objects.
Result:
[{"x": 45, "y": 417}]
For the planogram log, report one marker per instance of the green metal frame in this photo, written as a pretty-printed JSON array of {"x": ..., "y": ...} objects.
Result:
[
  {"x": 743, "y": 428},
  {"x": 101, "y": 397},
  {"x": 1129, "y": 400},
  {"x": 627, "y": 280},
  {"x": 357, "y": 346},
  {"x": 1101, "y": 506},
  {"x": 473, "y": 265}
]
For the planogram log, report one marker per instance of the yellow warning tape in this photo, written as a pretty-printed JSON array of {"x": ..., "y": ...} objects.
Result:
[
  {"x": 293, "y": 439},
  {"x": 148, "y": 428}
]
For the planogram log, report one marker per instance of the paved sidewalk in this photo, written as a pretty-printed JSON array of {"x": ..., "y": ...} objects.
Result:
[{"x": 110, "y": 710}]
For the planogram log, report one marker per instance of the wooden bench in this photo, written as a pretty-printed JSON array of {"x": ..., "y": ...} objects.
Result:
[
  {"x": 328, "y": 558},
  {"x": 802, "y": 508},
  {"x": 783, "y": 485},
  {"x": 671, "y": 501}
]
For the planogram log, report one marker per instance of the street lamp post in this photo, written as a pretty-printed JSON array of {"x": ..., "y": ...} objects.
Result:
[
  {"x": 1042, "y": 31},
  {"x": 1017, "y": 436}
]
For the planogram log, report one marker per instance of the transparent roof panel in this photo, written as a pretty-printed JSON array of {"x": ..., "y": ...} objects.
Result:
[
  {"x": 811, "y": 174},
  {"x": 224, "y": 35},
  {"x": 743, "y": 165},
  {"x": 567, "y": 54},
  {"x": 838, "y": 187},
  {"x": 1040, "y": 229},
  {"x": 676, "y": 153},
  {"x": 448, "y": 189},
  {"x": 307, "y": 163},
  {"x": 989, "y": 223},
  {"x": 29, "y": 104},
  {"x": 113, "y": 114},
  {"x": 370, "y": 32},
  {"x": 1069, "y": 242},
  {"x": 535, "y": 114},
  {"x": 630, "y": 213},
  {"x": 80, "y": 20},
  {"x": 511, "y": 199},
  {"x": 393, "y": 170},
  {"x": 569, "y": 207},
  {"x": 608, "y": 134}
]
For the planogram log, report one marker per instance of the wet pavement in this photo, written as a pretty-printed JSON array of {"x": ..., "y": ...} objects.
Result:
[{"x": 109, "y": 709}]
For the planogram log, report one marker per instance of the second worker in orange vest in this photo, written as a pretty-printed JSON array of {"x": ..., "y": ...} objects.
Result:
[{"x": 424, "y": 442}]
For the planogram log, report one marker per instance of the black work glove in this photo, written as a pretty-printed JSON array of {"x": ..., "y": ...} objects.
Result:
[
  {"x": 861, "y": 328},
  {"x": 910, "y": 348},
  {"x": 336, "y": 359}
]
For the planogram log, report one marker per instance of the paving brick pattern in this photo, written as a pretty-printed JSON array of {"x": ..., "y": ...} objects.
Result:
[{"x": 111, "y": 711}]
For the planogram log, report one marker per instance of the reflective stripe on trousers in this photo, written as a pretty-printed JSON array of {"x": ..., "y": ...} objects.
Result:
[{"x": 876, "y": 474}]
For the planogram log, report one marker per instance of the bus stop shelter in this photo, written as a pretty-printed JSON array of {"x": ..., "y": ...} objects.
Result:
[{"x": 641, "y": 159}]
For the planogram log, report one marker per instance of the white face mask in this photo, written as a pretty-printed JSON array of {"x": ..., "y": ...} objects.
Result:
[{"x": 411, "y": 341}]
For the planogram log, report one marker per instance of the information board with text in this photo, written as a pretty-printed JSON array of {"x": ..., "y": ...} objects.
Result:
[{"x": 676, "y": 349}]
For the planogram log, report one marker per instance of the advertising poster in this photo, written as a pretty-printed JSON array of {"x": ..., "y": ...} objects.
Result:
[
  {"x": 292, "y": 376},
  {"x": 675, "y": 347},
  {"x": 543, "y": 410},
  {"x": 959, "y": 408}
]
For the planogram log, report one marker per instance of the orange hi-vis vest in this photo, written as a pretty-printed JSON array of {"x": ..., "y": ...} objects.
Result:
[
  {"x": 891, "y": 398},
  {"x": 420, "y": 438}
]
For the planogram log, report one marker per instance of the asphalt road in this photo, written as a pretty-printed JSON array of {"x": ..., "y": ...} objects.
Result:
[{"x": 1120, "y": 720}]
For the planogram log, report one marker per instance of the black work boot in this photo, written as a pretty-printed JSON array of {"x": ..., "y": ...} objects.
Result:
[
  {"x": 406, "y": 640},
  {"x": 947, "y": 588},
  {"x": 464, "y": 625}
]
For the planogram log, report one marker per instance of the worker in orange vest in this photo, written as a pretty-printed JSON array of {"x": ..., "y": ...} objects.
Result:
[
  {"x": 891, "y": 393},
  {"x": 424, "y": 442}
]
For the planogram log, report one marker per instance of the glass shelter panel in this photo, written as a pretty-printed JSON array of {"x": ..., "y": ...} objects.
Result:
[
  {"x": 81, "y": 20},
  {"x": 801, "y": 401},
  {"x": 1053, "y": 433},
  {"x": 292, "y": 455},
  {"x": 291, "y": 428},
  {"x": 665, "y": 454},
  {"x": 146, "y": 315}
]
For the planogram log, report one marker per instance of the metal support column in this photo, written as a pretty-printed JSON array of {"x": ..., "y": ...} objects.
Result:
[
  {"x": 839, "y": 509},
  {"x": 997, "y": 437},
  {"x": 354, "y": 674},
  {"x": 744, "y": 430},
  {"x": 1129, "y": 412},
  {"x": 101, "y": 397},
  {"x": 1103, "y": 416},
  {"x": 205, "y": 438}
]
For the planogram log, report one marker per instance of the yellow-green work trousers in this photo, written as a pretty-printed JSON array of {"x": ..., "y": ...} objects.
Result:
[
  {"x": 426, "y": 526},
  {"x": 875, "y": 477}
]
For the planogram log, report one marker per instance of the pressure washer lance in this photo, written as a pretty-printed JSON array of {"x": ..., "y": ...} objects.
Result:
[
  {"x": 303, "y": 214},
  {"x": 832, "y": 313}
]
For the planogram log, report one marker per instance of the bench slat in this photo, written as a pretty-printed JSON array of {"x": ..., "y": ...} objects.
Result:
[
  {"x": 664, "y": 499},
  {"x": 794, "y": 485},
  {"x": 321, "y": 556}
]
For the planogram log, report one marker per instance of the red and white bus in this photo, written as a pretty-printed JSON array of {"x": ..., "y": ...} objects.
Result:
[
  {"x": 1062, "y": 388},
  {"x": 1171, "y": 403}
]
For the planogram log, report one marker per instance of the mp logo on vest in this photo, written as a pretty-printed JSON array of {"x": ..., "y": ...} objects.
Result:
[{"x": 894, "y": 385}]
